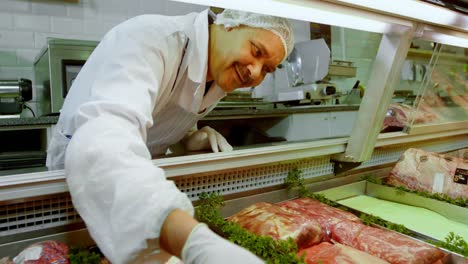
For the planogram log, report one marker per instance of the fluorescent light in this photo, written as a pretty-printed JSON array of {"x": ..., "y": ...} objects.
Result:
[
  {"x": 414, "y": 10},
  {"x": 316, "y": 11},
  {"x": 442, "y": 38}
]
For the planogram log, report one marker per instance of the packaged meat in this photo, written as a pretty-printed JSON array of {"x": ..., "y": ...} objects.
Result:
[
  {"x": 46, "y": 252},
  {"x": 325, "y": 215},
  {"x": 390, "y": 246},
  {"x": 431, "y": 172},
  {"x": 279, "y": 223},
  {"x": 327, "y": 253}
]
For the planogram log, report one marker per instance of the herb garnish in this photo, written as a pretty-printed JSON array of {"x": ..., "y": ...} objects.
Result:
[
  {"x": 83, "y": 256},
  {"x": 295, "y": 180},
  {"x": 400, "y": 190},
  {"x": 453, "y": 243},
  {"x": 369, "y": 219}
]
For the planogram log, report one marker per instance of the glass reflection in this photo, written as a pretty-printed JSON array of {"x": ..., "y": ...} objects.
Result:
[{"x": 433, "y": 88}]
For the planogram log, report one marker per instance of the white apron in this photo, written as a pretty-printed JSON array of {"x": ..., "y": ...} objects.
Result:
[{"x": 167, "y": 130}]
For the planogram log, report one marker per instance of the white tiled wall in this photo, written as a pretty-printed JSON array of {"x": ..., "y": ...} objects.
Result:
[
  {"x": 357, "y": 46},
  {"x": 26, "y": 24}
]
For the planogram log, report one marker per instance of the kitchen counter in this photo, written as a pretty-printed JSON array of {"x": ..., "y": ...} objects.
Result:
[
  {"x": 218, "y": 113},
  {"x": 223, "y": 111},
  {"x": 28, "y": 121}
]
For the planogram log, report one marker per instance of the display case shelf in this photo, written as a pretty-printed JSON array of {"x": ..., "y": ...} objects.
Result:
[
  {"x": 425, "y": 54},
  {"x": 398, "y": 26}
]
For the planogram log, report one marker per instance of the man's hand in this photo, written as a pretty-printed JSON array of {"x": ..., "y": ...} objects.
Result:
[
  {"x": 195, "y": 243},
  {"x": 206, "y": 138},
  {"x": 203, "y": 246}
]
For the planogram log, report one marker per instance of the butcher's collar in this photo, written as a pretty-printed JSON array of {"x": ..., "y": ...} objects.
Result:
[
  {"x": 214, "y": 94},
  {"x": 197, "y": 50}
]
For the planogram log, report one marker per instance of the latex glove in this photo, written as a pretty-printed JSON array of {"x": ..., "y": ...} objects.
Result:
[
  {"x": 206, "y": 138},
  {"x": 203, "y": 246}
]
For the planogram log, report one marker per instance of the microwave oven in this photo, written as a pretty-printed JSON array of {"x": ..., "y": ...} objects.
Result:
[{"x": 55, "y": 68}]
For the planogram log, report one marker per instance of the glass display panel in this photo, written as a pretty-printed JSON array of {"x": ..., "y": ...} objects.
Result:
[
  {"x": 433, "y": 88},
  {"x": 314, "y": 94}
]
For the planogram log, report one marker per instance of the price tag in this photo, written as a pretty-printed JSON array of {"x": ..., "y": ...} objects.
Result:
[{"x": 461, "y": 176}]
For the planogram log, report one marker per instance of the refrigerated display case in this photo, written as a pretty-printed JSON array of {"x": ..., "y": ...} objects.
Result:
[
  {"x": 37, "y": 206},
  {"x": 432, "y": 91}
]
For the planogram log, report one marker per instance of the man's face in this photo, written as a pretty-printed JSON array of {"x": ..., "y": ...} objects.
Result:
[{"x": 242, "y": 56}]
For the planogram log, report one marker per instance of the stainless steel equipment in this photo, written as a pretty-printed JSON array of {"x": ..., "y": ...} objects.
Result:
[
  {"x": 300, "y": 78},
  {"x": 55, "y": 68},
  {"x": 13, "y": 94}
]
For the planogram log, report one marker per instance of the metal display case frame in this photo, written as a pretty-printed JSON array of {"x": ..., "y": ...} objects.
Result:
[{"x": 245, "y": 172}]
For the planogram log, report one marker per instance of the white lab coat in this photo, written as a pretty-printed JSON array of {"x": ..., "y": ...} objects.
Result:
[{"x": 114, "y": 112}]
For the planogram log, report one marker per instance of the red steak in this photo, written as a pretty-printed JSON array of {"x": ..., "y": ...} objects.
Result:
[
  {"x": 325, "y": 215},
  {"x": 327, "y": 253},
  {"x": 279, "y": 223},
  {"x": 400, "y": 115},
  {"x": 392, "y": 247}
]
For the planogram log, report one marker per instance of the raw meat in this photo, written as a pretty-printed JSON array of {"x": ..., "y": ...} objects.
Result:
[
  {"x": 400, "y": 115},
  {"x": 392, "y": 247},
  {"x": 279, "y": 223},
  {"x": 327, "y": 253},
  {"x": 459, "y": 153},
  {"x": 455, "y": 87},
  {"x": 47, "y": 252},
  {"x": 431, "y": 172},
  {"x": 325, "y": 215}
]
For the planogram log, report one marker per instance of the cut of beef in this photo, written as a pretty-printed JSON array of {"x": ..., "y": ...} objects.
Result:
[
  {"x": 279, "y": 223},
  {"x": 390, "y": 246},
  {"x": 325, "y": 215},
  {"x": 431, "y": 172},
  {"x": 327, "y": 253},
  {"x": 400, "y": 115},
  {"x": 46, "y": 252}
]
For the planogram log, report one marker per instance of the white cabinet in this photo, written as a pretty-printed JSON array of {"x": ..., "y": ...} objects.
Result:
[
  {"x": 310, "y": 126},
  {"x": 341, "y": 123}
]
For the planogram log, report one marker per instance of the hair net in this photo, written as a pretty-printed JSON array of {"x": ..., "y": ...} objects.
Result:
[{"x": 279, "y": 26}]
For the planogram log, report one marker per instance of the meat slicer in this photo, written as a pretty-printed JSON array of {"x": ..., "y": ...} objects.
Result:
[{"x": 301, "y": 77}]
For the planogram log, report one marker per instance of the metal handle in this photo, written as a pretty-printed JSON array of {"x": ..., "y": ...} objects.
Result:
[{"x": 20, "y": 87}]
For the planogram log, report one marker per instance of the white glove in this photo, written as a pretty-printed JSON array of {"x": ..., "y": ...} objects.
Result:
[
  {"x": 206, "y": 138},
  {"x": 203, "y": 246}
]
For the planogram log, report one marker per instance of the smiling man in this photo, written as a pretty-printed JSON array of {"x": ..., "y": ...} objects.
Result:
[
  {"x": 241, "y": 56},
  {"x": 143, "y": 89}
]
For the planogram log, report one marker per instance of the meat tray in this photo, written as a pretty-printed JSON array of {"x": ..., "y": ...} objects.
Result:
[
  {"x": 450, "y": 211},
  {"x": 334, "y": 189}
]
